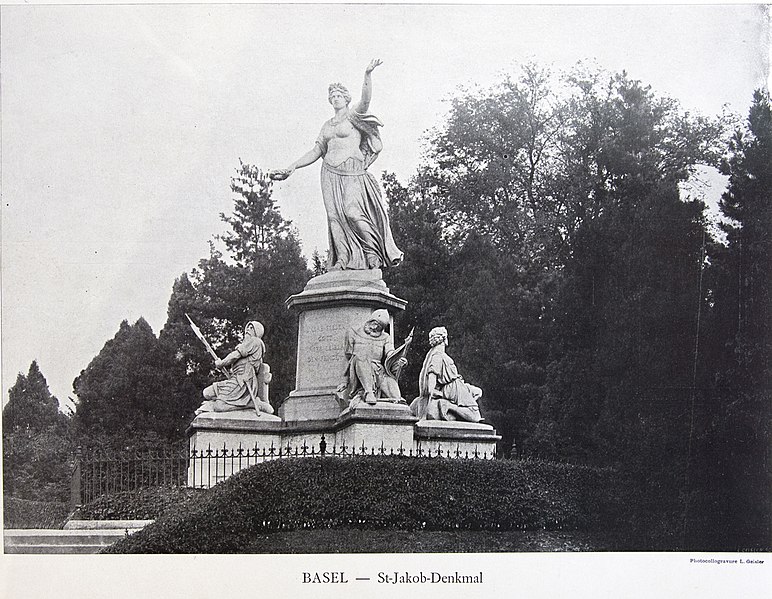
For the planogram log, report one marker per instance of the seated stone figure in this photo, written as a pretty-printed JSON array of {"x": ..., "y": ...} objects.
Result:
[
  {"x": 246, "y": 387},
  {"x": 371, "y": 357},
  {"x": 443, "y": 393}
]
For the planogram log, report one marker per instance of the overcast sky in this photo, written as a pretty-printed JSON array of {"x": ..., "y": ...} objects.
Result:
[{"x": 121, "y": 126}]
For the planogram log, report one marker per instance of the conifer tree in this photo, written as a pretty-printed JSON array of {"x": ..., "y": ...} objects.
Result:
[
  {"x": 262, "y": 267},
  {"x": 37, "y": 444}
]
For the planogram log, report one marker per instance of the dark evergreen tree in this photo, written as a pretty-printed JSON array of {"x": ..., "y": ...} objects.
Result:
[
  {"x": 135, "y": 391},
  {"x": 264, "y": 266},
  {"x": 731, "y": 500},
  {"x": 30, "y": 407},
  {"x": 36, "y": 441},
  {"x": 748, "y": 204}
]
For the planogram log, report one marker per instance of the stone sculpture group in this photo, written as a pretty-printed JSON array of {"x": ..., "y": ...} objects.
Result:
[
  {"x": 347, "y": 390},
  {"x": 369, "y": 376}
]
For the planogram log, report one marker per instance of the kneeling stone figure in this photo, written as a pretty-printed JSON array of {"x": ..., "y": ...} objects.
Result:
[
  {"x": 372, "y": 359},
  {"x": 247, "y": 384}
]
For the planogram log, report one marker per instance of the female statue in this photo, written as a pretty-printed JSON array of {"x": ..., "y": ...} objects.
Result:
[
  {"x": 357, "y": 221},
  {"x": 443, "y": 393}
]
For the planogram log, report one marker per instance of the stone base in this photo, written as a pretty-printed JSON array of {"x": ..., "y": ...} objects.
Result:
[
  {"x": 310, "y": 404},
  {"x": 382, "y": 427},
  {"x": 461, "y": 439},
  {"x": 329, "y": 305},
  {"x": 341, "y": 287},
  {"x": 226, "y": 442}
]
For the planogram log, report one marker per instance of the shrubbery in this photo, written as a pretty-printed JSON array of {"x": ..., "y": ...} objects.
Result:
[
  {"x": 142, "y": 504},
  {"x": 25, "y": 513},
  {"x": 376, "y": 492}
]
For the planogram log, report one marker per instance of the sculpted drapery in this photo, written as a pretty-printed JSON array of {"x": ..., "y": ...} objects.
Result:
[{"x": 358, "y": 227}]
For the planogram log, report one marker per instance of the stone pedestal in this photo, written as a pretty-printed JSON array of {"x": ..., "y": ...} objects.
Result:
[
  {"x": 383, "y": 425},
  {"x": 462, "y": 439},
  {"x": 327, "y": 307},
  {"x": 226, "y": 442}
]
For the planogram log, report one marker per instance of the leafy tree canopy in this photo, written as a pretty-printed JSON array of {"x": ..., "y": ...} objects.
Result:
[
  {"x": 133, "y": 387},
  {"x": 36, "y": 441}
]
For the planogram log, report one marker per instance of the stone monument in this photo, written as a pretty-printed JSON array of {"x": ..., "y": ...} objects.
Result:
[{"x": 347, "y": 370}]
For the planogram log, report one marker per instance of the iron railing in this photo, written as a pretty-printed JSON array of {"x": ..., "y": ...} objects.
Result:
[{"x": 102, "y": 472}]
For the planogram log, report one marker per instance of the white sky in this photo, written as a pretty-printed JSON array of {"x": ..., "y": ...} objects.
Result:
[{"x": 121, "y": 126}]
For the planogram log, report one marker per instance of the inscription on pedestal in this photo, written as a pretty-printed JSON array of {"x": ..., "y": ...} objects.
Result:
[
  {"x": 328, "y": 306},
  {"x": 321, "y": 360},
  {"x": 325, "y": 344}
]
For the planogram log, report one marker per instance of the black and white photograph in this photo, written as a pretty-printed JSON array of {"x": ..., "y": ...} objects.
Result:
[{"x": 432, "y": 300}]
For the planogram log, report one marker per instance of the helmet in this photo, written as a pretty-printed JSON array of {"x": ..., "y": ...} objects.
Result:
[{"x": 381, "y": 317}]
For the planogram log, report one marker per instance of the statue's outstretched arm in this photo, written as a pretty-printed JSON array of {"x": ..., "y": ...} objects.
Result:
[
  {"x": 308, "y": 158},
  {"x": 367, "y": 87}
]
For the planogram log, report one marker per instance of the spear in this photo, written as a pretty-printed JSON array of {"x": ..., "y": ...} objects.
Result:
[{"x": 203, "y": 340}]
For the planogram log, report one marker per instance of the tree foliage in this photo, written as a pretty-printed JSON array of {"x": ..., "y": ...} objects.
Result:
[
  {"x": 563, "y": 259},
  {"x": 133, "y": 391},
  {"x": 36, "y": 441},
  {"x": 730, "y": 462},
  {"x": 30, "y": 407},
  {"x": 264, "y": 266}
]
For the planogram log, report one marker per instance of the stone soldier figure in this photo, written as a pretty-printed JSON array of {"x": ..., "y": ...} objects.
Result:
[
  {"x": 371, "y": 363},
  {"x": 246, "y": 385},
  {"x": 444, "y": 394}
]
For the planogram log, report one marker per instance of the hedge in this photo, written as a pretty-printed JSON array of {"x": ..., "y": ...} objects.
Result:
[
  {"x": 25, "y": 513},
  {"x": 143, "y": 504},
  {"x": 377, "y": 492}
]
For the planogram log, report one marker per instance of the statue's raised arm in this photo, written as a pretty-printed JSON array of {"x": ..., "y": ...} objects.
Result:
[
  {"x": 357, "y": 218},
  {"x": 367, "y": 87}
]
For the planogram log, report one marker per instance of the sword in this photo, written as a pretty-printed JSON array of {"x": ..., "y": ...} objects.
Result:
[{"x": 203, "y": 340}]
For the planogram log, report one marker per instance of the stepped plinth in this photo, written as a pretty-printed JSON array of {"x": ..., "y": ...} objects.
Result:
[{"x": 312, "y": 420}]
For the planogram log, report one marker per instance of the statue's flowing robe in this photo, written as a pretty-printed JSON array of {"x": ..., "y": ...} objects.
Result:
[
  {"x": 458, "y": 400},
  {"x": 357, "y": 220}
]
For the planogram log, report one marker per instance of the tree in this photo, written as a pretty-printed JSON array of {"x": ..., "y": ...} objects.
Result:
[
  {"x": 256, "y": 224},
  {"x": 730, "y": 458},
  {"x": 264, "y": 266},
  {"x": 318, "y": 264},
  {"x": 573, "y": 272},
  {"x": 747, "y": 203},
  {"x": 30, "y": 407},
  {"x": 134, "y": 391},
  {"x": 492, "y": 163},
  {"x": 624, "y": 316},
  {"x": 451, "y": 279},
  {"x": 36, "y": 441}
]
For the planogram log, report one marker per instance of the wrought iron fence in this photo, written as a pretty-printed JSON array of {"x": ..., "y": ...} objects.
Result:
[
  {"x": 212, "y": 465},
  {"x": 100, "y": 472}
]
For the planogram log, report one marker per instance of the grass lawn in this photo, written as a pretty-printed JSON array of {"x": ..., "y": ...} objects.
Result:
[{"x": 344, "y": 540}]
